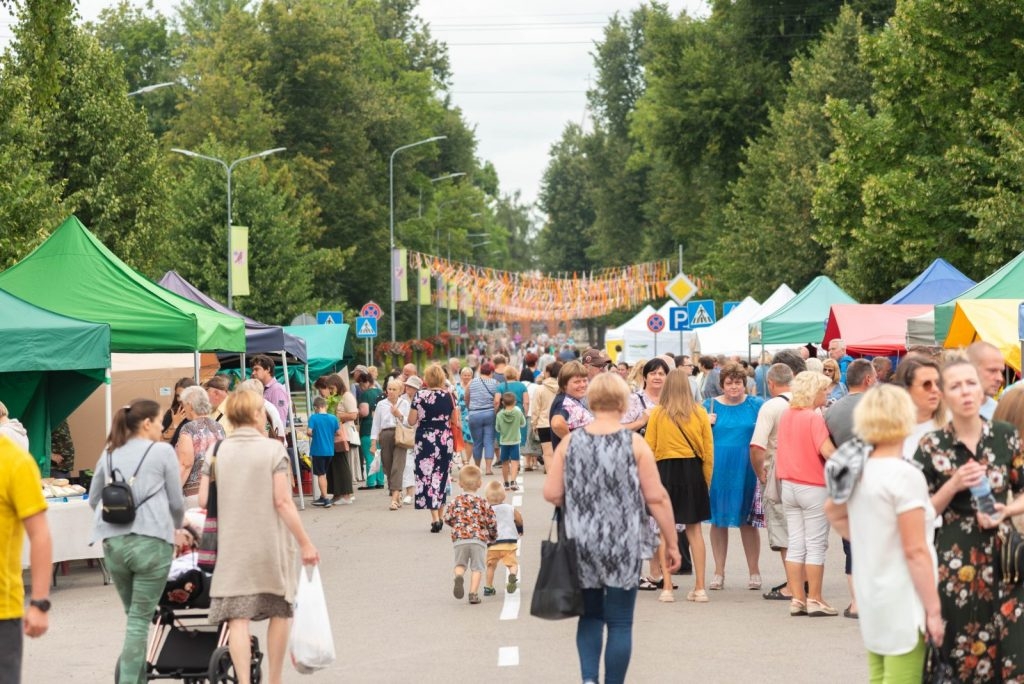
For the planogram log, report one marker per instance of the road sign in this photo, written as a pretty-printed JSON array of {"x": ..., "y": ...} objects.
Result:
[
  {"x": 371, "y": 309},
  {"x": 329, "y": 318},
  {"x": 680, "y": 289},
  {"x": 655, "y": 323},
  {"x": 678, "y": 319},
  {"x": 366, "y": 327},
  {"x": 727, "y": 307},
  {"x": 702, "y": 312}
]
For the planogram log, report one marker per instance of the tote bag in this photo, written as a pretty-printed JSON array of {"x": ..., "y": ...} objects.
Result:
[{"x": 557, "y": 594}]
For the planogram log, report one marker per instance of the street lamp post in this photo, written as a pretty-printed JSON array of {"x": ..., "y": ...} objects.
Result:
[
  {"x": 228, "y": 168},
  {"x": 151, "y": 88},
  {"x": 391, "y": 218},
  {"x": 437, "y": 238}
]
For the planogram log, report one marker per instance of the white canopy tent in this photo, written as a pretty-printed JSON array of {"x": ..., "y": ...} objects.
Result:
[
  {"x": 775, "y": 302},
  {"x": 921, "y": 330},
  {"x": 729, "y": 335},
  {"x": 638, "y": 342}
]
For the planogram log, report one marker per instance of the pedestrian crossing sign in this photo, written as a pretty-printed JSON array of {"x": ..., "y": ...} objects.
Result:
[
  {"x": 701, "y": 312},
  {"x": 366, "y": 327}
]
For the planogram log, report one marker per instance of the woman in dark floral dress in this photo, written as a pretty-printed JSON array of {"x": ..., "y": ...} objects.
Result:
[
  {"x": 431, "y": 414},
  {"x": 984, "y": 627}
]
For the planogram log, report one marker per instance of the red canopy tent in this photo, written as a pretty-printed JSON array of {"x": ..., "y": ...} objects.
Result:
[{"x": 872, "y": 329}]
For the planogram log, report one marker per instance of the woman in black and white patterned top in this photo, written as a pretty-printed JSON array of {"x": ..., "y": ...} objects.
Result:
[{"x": 603, "y": 475}]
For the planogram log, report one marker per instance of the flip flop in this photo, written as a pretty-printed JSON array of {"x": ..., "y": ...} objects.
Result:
[{"x": 847, "y": 613}]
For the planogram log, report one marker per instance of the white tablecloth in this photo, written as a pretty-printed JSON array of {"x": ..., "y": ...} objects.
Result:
[{"x": 71, "y": 529}]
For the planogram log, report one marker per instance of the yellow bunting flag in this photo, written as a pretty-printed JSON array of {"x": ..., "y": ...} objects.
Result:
[{"x": 239, "y": 261}]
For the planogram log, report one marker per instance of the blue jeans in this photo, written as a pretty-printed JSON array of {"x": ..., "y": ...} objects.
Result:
[
  {"x": 612, "y": 607},
  {"x": 481, "y": 426}
]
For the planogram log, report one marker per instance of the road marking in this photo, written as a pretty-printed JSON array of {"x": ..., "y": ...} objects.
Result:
[
  {"x": 508, "y": 656},
  {"x": 517, "y": 500},
  {"x": 510, "y": 608}
]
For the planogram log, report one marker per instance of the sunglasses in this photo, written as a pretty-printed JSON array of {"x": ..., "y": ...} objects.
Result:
[
  {"x": 929, "y": 385},
  {"x": 828, "y": 371}
]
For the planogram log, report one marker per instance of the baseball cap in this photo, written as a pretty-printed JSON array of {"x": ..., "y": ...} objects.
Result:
[{"x": 595, "y": 357}]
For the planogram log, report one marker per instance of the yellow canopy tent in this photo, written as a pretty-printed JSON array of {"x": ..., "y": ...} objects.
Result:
[{"x": 990, "y": 320}]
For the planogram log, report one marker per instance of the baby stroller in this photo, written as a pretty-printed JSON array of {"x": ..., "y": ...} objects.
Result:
[{"x": 183, "y": 645}]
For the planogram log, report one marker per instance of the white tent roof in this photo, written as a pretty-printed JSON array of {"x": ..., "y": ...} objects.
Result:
[
  {"x": 921, "y": 330},
  {"x": 729, "y": 335},
  {"x": 638, "y": 321},
  {"x": 775, "y": 302}
]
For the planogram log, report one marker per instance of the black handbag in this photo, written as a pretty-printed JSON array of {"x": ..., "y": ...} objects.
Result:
[
  {"x": 937, "y": 668},
  {"x": 1010, "y": 545},
  {"x": 557, "y": 594}
]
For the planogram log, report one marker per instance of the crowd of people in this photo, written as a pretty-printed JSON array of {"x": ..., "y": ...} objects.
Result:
[{"x": 793, "y": 445}]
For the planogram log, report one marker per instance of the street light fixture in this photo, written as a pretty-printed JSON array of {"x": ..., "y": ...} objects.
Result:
[
  {"x": 228, "y": 168},
  {"x": 151, "y": 88},
  {"x": 438, "y": 180},
  {"x": 391, "y": 217}
]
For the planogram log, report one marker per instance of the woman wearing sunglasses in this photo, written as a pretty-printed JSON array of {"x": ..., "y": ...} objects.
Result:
[
  {"x": 920, "y": 376},
  {"x": 836, "y": 389}
]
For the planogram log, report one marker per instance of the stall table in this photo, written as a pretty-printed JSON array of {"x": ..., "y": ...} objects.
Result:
[{"x": 70, "y": 525}]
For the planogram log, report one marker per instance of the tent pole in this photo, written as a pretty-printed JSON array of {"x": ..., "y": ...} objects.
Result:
[
  {"x": 291, "y": 424},
  {"x": 195, "y": 365},
  {"x": 108, "y": 400}
]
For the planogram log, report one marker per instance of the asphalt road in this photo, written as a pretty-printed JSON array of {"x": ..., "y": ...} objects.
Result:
[{"x": 388, "y": 585}]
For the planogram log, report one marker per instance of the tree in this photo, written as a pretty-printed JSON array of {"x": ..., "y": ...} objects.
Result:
[
  {"x": 919, "y": 175},
  {"x": 565, "y": 198},
  {"x": 769, "y": 213}
]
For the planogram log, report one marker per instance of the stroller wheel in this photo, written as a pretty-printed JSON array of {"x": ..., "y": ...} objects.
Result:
[{"x": 222, "y": 670}]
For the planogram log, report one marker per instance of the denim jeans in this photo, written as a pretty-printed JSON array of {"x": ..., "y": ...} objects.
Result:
[
  {"x": 612, "y": 607},
  {"x": 481, "y": 427},
  {"x": 12, "y": 636},
  {"x": 138, "y": 566}
]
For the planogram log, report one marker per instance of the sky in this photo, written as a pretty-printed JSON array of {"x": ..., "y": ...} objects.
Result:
[{"x": 520, "y": 70}]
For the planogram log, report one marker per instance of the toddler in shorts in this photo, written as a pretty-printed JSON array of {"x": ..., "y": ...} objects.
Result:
[
  {"x": 509, "y": 423},
  {"x": 503, "y": 549},
  {"x": 473, "y": 527}
]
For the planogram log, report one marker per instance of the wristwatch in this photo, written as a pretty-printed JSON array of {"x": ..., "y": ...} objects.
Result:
[{"x": 41, "y": 604}]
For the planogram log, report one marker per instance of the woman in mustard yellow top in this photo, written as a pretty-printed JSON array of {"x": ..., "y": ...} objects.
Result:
[{"x": 679, "y": 433}]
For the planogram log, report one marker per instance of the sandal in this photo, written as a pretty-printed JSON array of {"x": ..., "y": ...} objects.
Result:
[
  {"x": 698, "y": 596},
  {"x": 667, "y": 597},
  {"x": 754, "y": 583},
  {"x": 395, "y": 506},
  {"x": 717, "y": 582},
  {"x": 797, "y": 607},
  {"x": 647, "y": 584}
]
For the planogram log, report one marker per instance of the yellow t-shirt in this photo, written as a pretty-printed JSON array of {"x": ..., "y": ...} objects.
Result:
[
  {"x": 666, "y": 439},
  {"x": 21, "y": 496}
]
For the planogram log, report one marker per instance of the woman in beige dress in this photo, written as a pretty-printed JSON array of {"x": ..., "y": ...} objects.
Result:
[{"x": 256, "y": 576}]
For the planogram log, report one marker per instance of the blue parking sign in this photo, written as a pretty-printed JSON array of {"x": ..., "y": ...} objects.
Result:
[{"x": 678, "y": 319}]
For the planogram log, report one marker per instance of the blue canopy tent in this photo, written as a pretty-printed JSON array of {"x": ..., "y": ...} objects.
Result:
[{"x": 938, "y": 283}]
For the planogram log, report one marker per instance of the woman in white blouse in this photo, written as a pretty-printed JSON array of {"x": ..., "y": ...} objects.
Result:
[{"x": 392, "y": 409}]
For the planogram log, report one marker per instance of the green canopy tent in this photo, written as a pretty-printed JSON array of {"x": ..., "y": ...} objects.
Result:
[
  {"x": 52, "y": 364},
  {"x": 802, "y": 319},
  {"x": 1006, "y": 283},
  {"x": 327, "y": 347},
  {"x": 74, "y": 274}
]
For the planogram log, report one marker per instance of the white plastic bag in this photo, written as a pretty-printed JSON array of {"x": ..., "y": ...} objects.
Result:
[
  {"x": 311, "y": 644},
  {"x": 374, "y": 464}
]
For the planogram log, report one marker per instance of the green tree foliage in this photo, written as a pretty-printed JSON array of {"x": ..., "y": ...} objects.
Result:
[
  {"x": 924, "y": 174},
  {"x": 565, "y": 197},
  {"x": 769, "y": 213}
]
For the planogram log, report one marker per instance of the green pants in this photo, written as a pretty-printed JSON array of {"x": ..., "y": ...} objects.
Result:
[
  {"x": 378, "y": 477},
  {"x": 138, "y": 566},
  {"x": 897, "y": 669}
]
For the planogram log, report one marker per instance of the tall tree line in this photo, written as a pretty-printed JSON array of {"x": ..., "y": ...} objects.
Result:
[
  {"x": 780, "y": 140},
  {"x": 340, "y": 85}
]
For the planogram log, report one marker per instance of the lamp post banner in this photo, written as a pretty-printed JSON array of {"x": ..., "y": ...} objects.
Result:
[
  {"x": 423, "y": 291},
  {"x": 399, "y": 275},
  {"x": 240, "y": 261}
]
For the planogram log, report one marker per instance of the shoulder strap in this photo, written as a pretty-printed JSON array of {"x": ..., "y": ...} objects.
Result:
[
  {"x": 696, "y": 452},
  {"x": 640, "y": 396},
  {"x": 142, "y": 460}
]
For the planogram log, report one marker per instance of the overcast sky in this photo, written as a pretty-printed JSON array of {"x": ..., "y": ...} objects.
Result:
[{"x": 520, "y": 70}]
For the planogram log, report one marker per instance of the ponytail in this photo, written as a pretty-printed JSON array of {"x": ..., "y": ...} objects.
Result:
[{"x": 128, "y": 420}]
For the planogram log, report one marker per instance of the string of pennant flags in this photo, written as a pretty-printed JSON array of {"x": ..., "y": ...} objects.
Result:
[{"x": 494, "y": 294}]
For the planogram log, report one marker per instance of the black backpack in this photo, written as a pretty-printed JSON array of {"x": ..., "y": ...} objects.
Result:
[{"x": 117, "y": 497}]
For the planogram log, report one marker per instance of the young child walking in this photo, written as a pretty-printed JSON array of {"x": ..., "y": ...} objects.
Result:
[
  {"x": 503, "y": 549},
  {"x": 509, "y": 423},
  {"x": 322, "y": 429},
  {"x": 473, "y": 526}
]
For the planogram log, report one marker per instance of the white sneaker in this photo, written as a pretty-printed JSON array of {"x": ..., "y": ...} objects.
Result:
[{"x": 407, "y": 500}]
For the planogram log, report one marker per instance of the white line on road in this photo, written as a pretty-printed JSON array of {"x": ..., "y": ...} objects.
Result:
[{"x": 508, "y": 655}]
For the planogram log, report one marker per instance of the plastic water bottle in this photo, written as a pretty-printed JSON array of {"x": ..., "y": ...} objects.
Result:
[{"x": 983, "y": 498}]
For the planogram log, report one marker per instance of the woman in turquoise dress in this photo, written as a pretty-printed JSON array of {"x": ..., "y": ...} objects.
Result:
[
  {"x": 734, "y": 493},
  {"x": 465, "y": 377}
]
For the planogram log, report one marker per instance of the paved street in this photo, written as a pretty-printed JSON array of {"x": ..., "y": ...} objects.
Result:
[{"x": 388, "y": 584}]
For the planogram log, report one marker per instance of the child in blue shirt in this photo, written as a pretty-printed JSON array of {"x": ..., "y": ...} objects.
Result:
[{"x": 322, "y": 429}]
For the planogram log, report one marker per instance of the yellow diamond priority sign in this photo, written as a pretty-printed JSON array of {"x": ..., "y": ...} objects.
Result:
[{"x": 680, "y": 289}]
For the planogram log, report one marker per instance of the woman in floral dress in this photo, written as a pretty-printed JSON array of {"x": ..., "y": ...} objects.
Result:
[
  {"x": 431, "y": 414},
  {"x": 984, "y": 626}
]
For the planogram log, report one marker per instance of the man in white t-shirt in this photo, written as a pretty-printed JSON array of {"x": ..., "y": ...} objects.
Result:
[{"x": 763, "y": 445}]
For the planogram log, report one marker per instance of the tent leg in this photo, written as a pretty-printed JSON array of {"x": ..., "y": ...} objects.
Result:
[
  {"x": 195, "y": 365},
  {"x": 291, "y": 424},
  {"x": 108, "y": 401}
]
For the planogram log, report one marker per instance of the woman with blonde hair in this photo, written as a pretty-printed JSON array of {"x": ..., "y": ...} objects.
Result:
[
  {"x": 391, "y": 411},
  {"x": 836, "y": 389},
  {"x": 431, "y": 414},
  {"x": 887, "y": 515},
  {"x": 258, "y": 527},
  {"x": 803, "y": 445},
  {"x": 679, "y": 434}
]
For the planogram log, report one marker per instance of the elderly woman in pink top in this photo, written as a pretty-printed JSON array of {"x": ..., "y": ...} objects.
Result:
[{"x": 804, "y": 444}]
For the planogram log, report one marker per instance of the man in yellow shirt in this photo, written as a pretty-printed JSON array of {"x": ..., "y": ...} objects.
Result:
[{"x": 22, "y": 510}]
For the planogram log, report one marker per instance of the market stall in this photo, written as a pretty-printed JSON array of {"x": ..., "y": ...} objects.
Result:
[
  {"x": 991, "y": 320},
  {"x": 938, "y": 283},
  {"x": 1006, "y": 283},
  {"x": 801, "y": 319},
  {"x": 872, "y": 329}
]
